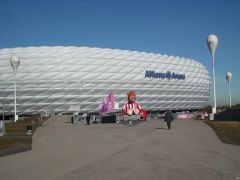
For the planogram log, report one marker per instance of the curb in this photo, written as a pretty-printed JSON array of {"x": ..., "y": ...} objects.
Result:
[{"x": 15, "y": 149}]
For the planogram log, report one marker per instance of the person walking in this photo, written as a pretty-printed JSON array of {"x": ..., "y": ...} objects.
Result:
[
  {"x": 168, "y": 118},
  {"x": 88, "y": 119}
]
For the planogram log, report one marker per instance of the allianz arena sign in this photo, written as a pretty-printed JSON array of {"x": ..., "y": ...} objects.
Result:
[{"x": 168, "y": 75}]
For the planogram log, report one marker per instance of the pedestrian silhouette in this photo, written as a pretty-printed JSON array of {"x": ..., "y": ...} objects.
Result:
[
  {"x": 88, "y": 119},
  {"x": 168, "y": 118}
]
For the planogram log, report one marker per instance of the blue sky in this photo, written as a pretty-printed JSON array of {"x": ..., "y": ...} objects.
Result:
[{"x": 172, "y": 27}]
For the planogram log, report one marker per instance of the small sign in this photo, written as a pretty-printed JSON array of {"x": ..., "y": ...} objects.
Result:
[
  {"x": 74, "y": 108},
  {"x": 116, "y": 105},
  {"x": 184, "y": 116}
]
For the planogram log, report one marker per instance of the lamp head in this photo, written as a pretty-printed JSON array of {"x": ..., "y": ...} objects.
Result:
[
  {"x": 229, "y": 76},
  {"x": 212, "y": 42},
  {"x": 14, "y": 61}
]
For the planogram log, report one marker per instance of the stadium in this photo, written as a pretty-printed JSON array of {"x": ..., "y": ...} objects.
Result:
[{"x": 65, "y": 79}]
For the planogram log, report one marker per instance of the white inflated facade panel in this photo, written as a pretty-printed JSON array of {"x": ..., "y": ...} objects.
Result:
[{"x": 55, "y": 78}]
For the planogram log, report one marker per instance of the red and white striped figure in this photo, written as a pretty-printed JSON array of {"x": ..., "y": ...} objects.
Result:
[{"x": 131, "y": 107}]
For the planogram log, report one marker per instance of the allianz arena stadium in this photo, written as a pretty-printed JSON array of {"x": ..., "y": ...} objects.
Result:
[{"x": 59, "y": 79}]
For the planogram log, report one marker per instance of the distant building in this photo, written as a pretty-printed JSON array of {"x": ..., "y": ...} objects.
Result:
[{"x": 59, "y": 79}]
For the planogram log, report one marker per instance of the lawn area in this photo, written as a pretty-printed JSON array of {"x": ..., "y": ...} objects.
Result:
[
  {"x": 227, "y": 131},
  {"x": 16, "y": 136}
]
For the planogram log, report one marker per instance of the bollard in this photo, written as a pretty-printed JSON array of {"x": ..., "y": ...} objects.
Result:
[
  {"x": 130, "y": 122},
  {"x": 2, "y": 128},
  {"x": 212, "y": 117},
  {"x": 29, "y": 129}
]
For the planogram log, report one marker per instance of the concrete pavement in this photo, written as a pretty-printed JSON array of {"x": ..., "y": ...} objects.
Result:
[{"x": 61, "y": 150}]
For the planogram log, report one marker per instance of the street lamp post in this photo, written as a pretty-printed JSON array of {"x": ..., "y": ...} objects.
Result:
[
  {"x": 15, "y": 61},
  {"x": 229, "y": 77},
  {"x": 212, "y": 42}
]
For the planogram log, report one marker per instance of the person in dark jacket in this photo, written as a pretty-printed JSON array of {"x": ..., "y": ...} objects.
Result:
[
  {"x": 88, "y": 119},
  {"x": 168, "y": 118}
]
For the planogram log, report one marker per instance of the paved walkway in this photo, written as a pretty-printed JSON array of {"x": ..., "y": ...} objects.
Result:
[{"x": 147, "y": 151}]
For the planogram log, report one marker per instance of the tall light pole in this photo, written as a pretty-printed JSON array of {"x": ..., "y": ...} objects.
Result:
[
  {"x": 15, "y": 61},
  {"x": 229, "y": 77},
  {"x": 212, "y": 42}
]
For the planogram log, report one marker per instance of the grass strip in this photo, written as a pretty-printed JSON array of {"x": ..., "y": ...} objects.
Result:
[
  {"x": 16, "y": 135},
  {"x": 227, "y": 131}
]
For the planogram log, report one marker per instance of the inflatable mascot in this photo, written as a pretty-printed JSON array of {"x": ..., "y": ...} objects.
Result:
[{"x": 132, "y": 107}]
